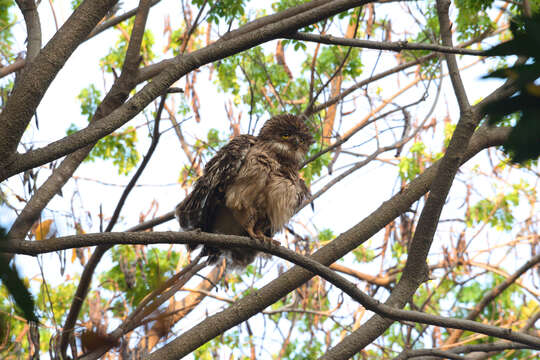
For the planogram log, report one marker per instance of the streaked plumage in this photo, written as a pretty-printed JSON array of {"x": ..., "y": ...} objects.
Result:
[{"x": 251, "y": 187}]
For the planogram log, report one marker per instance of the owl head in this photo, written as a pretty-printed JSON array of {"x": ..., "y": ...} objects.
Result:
[{"x": 288, "y": 136}]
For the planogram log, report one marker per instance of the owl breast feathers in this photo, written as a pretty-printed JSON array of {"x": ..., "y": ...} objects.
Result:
[{"x": 251, "y": 187}]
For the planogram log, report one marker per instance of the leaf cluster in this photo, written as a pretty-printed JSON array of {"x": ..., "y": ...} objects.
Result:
[
  {"x": 6, "y": 21},
  {"x": 137, "y": 274},
  {"x": 115, "y": 58},
  {"x": 16, "y": 287},
  {"x": 473, "y": 18},
  {"x": 496, "y": 212},
  {"x": 120, "y": 147},
  {"x": 522, "y": 144},
  {"x": 223, "y": 10}
]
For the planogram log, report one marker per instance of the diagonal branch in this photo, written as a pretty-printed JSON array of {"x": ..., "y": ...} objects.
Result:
[
  {"x": 305, "y": 262},
  {"x": 491, "y": 295},
  {"x": 116, "y": 20},
  {"x": 349, "y": 240},
  {"x": 180, "y": 66},
  {"x": 396, "y": 69},
  {"x": 38, "y": 74},
  {"x": 452, "y": 354},
  {"x": 116, "y": 96},
  {"x": 415, "y": 270},
  {"x": 138, "y": 173},
  {"x": 19, "y": 64}
]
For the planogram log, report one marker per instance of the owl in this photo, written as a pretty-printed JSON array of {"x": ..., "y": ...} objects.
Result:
[{"x": 251, "y": 187}]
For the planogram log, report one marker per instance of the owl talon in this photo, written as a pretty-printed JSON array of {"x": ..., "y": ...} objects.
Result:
[
  {"x": 262, "y": 238},
  {"x": 269, "y": 240}
]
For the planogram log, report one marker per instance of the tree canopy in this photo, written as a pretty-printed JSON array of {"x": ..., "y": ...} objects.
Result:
[{"x": 420, "y": 239}]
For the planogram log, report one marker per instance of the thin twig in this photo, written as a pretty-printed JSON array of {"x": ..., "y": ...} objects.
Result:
[
  {"x": 382, "y": 45},
  {"x": 138, "y": 173}
]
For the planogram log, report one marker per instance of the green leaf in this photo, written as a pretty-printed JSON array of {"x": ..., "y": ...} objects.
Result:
[
  {"x": 496, "y": 212},
  {"x": 120, "y": 147},
  {"x": 326, "y": 235},
  {"x": 16, "y": 287},
  {"x": 522, "y": 144}
]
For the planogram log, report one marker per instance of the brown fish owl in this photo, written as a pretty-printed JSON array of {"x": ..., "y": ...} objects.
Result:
[{"x": 251, "y": 187}]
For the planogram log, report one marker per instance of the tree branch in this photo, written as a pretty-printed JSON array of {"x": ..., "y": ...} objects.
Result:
[
  {"x": 389, "y": 72},
  {"x": 415, "y": 271},
  {"x": 452, "y": 354},
  {"x": 116, "y": 20},
  {"x": 33, "y": 27},
  {"x": 138, "y": 173},
  {"x": 180, "y": 66},
  {"x": 19, "y": 64},
  {"x": 38, "y": 75},
  {"x": 453, "y": 69},
  {"x": 492, "y": 294},
  {"x": 116, "y": 96},
  {"x": 225, "y": 241},
  {"x": 381, "y": 45}
]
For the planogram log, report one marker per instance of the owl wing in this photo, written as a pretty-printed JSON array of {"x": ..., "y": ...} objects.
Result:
[{"x": 197, "y": 210}]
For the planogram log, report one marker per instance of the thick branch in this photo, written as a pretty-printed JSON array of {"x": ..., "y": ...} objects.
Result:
[
  {"x": 349, "y": 240},
  {"x": 116, "y": 96},
  {"x": 38, "y": 75},
  {"x": 19, "y": 64},
  {"x": 452, "y": 354},
  {"x": 315, "y": 267},
  {"x": 180, "y": 66}
]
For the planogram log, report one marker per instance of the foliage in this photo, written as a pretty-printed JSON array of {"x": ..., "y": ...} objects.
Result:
[
  {"x": 114, "y": 59},
  {"x": 522, "y": 144},
  {"x": 120, "y": 147},
  {"x": 410, "y": 167},
  {"x": 225, "y": 10},
  {"x": 75, "y": 3},
  {"x": 6, "y": 21},
  {"x": 134, "y": 276},
  {"x": 473, "y": 18},
  {"x": 16, "y": 287},
  {"x": 497, "y": 212}
]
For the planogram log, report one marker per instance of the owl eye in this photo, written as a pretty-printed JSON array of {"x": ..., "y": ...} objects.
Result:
[{"x": 285, "y": 136}]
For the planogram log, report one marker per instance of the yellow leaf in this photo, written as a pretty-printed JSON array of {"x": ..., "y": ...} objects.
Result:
[
  {"x": 44, "y": 229},
  {"x": 533, "y": 89},
  {"x": 78, "y": 229}
]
